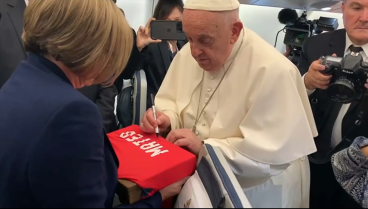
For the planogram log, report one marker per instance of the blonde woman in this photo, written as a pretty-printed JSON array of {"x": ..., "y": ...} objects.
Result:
[{"x": 53, "y": 151}]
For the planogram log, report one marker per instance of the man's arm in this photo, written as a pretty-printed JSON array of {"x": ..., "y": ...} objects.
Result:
[
  {"x": 134, "y": 64},
  {"x": 309, "y": 92},
  {"x": 106, "y": 105},
  {"x": 303, "y": 65}
]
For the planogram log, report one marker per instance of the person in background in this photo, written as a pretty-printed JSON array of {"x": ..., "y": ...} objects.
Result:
[
  {"x": 231, "y": 89},
  {"x": 54, "y": 153},
  {"x": 336, "y": 122},
  {"x": 350, "y": 167},
  {"x": 159, "y": 54},
  {"x": 288, "y": 50},
  {"x": 136, "y": 58}
]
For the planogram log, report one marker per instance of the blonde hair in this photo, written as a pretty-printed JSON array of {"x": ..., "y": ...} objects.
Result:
[{"x": 91, "y": 37}]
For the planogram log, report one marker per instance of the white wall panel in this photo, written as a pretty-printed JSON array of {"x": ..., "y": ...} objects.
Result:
[
  {"x": 263, "y": 21},
  {"x": 137, "y": 11}
]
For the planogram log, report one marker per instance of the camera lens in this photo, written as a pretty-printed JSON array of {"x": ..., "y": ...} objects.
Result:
[
  {"x": 179, "y": 27},
  {"x": 342, "y": 90}
]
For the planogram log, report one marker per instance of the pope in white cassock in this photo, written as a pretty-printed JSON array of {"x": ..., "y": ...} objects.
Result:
[{"x": 231, "y": 89}]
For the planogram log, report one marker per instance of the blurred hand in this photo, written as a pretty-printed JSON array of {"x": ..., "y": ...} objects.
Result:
[
  {"x": 289, "y": 49},
  {"x": 187, "y": 139},
  {"x": 172, "y": 189},
  {"x": 144, "y": 36},
  {"x": 314, "y": 79},
  {"x": 149, "y": 123}
]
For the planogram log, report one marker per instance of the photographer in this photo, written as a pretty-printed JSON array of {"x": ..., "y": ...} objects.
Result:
[{"x": 336, "y": 122}]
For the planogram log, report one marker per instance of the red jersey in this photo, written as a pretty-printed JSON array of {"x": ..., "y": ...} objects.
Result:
[{"x": 150, "y": 162}]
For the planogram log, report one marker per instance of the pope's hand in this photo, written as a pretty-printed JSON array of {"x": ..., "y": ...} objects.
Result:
[
  {"x": 185, "y": 138},
  {"x": 149, "y": 123}
]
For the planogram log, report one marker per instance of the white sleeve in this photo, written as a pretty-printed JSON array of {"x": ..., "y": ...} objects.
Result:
[
  {"x": 309, "y": 92},
  {"x": 244, "y": 166}
]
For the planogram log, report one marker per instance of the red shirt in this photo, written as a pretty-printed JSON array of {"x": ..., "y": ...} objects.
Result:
[{"x": 150, "y": 162}]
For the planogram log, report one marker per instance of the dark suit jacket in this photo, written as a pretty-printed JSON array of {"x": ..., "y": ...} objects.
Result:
[
  {"x": 134, "y": 64},
  {"x": 11, "y": 45},
  {"x": 325, "y": 111},
  {"x": 156, "y": 63},
  {"x": 53, "y": 150},
  {"x": 104, "y": 98}
]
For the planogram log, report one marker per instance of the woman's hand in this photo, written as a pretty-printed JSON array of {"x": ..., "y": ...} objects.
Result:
[
  {"x": 144, "y": 36},
  {"x": 172, "y": 189}
]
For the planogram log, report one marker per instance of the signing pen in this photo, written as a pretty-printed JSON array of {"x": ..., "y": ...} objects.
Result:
[{"x": 154, "y": 114}]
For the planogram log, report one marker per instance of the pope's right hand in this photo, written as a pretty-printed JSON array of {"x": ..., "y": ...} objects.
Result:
[
  {"x": 149, "y": 123},
  {"x": 314, "y": 79}
]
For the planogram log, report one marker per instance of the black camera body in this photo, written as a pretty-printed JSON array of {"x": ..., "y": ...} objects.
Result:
[{"x": 349, "y": 74}]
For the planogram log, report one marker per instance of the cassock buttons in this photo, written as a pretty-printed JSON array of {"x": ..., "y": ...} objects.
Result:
[
  {"x": 209, "y": 90},
  {"x": 211, "y": 77},
  {"x": 197, "y": 133},
  {"x": 203, "y": 124}
]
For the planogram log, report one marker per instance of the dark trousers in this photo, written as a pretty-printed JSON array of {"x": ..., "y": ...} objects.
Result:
[{"x": 325, "y": 191}]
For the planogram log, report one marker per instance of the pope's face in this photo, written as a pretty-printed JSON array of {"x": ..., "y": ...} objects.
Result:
[{"x": 210, "y": 38}]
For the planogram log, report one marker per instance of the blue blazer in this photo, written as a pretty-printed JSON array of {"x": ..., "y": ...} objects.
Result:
[{"x": 53, "y": 151}]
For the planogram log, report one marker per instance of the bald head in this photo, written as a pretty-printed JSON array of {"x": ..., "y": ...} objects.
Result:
[{"x": 212, "y": 35}]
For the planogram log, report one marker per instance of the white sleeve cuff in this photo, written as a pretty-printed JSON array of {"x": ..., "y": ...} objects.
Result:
[{"x": 309, "y": 92}]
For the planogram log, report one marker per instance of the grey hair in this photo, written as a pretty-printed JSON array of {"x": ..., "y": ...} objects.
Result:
[{"x": 230, "y": 17}]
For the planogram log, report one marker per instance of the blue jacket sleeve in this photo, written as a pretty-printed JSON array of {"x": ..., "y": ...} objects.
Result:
[
  {"x": 66, "y": 168},
  {"x": 152, "y": 202},
  {"x": 350, "y": 167}
]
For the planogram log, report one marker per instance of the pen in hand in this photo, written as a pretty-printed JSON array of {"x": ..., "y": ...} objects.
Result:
[{"x": 154, "y": 114}]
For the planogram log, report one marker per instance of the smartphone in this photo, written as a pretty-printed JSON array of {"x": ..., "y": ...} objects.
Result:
[{"x": 167, "y": 30}]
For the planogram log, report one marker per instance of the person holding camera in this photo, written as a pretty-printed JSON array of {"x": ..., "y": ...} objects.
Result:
[
  {"x": 337, "y": 96},
  {"x": 159, "y": 54}
]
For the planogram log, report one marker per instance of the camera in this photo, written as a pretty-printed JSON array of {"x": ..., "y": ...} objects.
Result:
[
  {"x": 298, "y": 28},
  {"x": 349, "y": 74}
]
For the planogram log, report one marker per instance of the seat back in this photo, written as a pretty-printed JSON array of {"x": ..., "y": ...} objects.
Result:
[
  {"x": 132, "y": 100},
  {"x": 213, "y": 185}
]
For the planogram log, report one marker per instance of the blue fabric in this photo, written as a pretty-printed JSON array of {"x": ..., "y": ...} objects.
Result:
[{"x": 53, "y": 151}]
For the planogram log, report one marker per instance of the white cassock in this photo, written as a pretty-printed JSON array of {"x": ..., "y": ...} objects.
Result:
[{"x": 259, "y": 116}]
